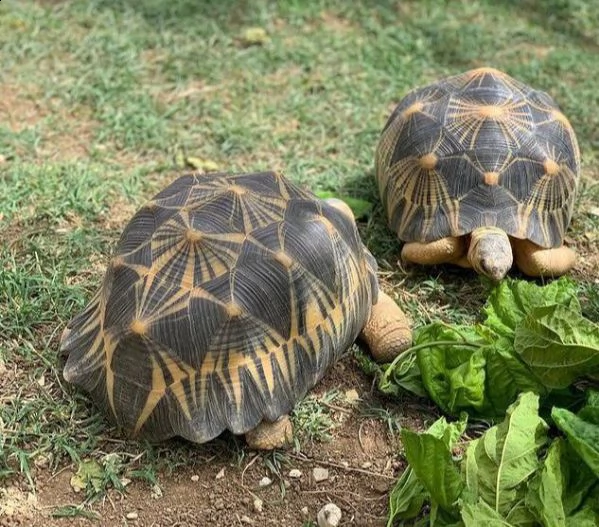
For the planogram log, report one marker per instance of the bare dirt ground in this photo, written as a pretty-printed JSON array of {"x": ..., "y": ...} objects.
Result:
[{"x": 362, "y": 460}]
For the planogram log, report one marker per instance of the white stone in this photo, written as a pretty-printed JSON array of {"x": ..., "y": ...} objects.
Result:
[
  {"x": 258, "y": 505},
  {"x": 329, "y": 516},
  {"x": 320, "y": 474},
  {"x": 132, "y": 516},
  {"x": 265, "y": 482},
  {"x": 295, "y": 473}
]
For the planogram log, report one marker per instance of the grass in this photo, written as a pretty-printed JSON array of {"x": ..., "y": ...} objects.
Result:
[{"x": 98, "y": 99}]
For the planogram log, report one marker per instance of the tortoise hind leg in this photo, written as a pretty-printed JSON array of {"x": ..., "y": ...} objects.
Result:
[
  {"x": 387, "y": 332},
  {"x": 533, "y": 260},
  {"x": 269, "y": 435},
  {"x": 452, "y": 249}
]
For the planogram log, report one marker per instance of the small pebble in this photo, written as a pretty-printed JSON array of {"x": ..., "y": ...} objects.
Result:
[
  {"x": 366, "y": 464},
  {"x": 246, "y": 519},
  {"x": 132, "y": 515},
  {"x": 156, "y": 491},
  {"x": 258, "y": 505},
  {"x": 295, "y": 473},
  {"x": 304, "y": 511},
  {"x": 195, "y": 477},
  {"x": 345, "y": 464},
  {"x": 329, "y": 516},
  {"x": 265, "y": 482},
  {"x": 352, "y": 396},
  {"x": 320, "y": 474},
  {"x": 221, "y": 473}
]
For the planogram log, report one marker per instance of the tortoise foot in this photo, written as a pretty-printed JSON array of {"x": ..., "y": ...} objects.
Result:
[{"x": 270, "y": 435}]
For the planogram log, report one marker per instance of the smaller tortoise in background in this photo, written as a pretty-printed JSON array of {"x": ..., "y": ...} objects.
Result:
[
  {"x": 227, "y": 300},
  {"x": 480, "y": 170}
]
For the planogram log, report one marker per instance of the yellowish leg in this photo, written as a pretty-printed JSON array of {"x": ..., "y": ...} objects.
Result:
[
  {"x": 387, "y": 332},
  {"x": 537, "y": 261},
  {"x": 270, "y": 435},
  {"x": 446, "y": 250}
]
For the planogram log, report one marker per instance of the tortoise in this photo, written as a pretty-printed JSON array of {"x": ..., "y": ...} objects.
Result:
[
  {"x": 227, "y": 299},
  {"x": 480, "y": 170}
]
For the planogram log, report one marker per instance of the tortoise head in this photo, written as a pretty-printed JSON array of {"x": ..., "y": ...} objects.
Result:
[{"x": 490, "y": 252}]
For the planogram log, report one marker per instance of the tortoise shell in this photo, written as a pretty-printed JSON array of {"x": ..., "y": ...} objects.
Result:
[
  {"x": 478, "y": 149},
  {"x": 228, "y": 298}
]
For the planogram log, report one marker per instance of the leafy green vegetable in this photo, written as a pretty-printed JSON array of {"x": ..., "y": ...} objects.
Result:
[
  {"x": 431, "y": 467},
  {"x": 470, "y": 368},
  {"x": 452, "y": 365},
  {"x": 433, "y": 464},
  {"x": 557, "y": 493},
  {"x": 584, "y": 518},
  {"x": 558, "y": 344},
  {"x": 545, "y": 490},
  {"x": 479, "y": 513},
  {"x": 511, "y": 300},
  {"x": 498, "y": 464},
  {"x": 407, "y": 497},
  {"x": 582, "y": 430},
  {"x": 402, "y": 374},
  {"x": 533, "y": 339},
  {"x": 532, "y": 346},
  {"x": 359, "y": 207},
  {"x": 505, "y": 478}
]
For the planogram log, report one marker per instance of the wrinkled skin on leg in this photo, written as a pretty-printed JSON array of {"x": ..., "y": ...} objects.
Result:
[
  {"x": 533, "y": 260},
  {"x": 446, "y": 250},
  {"x": 387, "y": 332}
]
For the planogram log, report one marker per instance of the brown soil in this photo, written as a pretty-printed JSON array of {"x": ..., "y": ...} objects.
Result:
[{"x": 215, "y": 488}]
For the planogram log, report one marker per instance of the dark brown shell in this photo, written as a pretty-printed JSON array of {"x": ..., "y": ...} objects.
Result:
[
  {"x": 228, "y": 298},
  {"x": 478, "y": 149}
]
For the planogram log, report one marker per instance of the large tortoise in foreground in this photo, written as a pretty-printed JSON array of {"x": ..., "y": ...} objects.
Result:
[
  {"x": 228, "y": 298},
  {"x": 480, "y": 170}
]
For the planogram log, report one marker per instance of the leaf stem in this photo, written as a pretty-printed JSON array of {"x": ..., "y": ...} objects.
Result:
[{"x": 425, "y": 345}]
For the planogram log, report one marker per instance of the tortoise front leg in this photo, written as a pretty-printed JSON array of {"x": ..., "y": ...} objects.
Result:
[
  {"x": 452, "y": 249},
  {"x": 534, "y": 260}
]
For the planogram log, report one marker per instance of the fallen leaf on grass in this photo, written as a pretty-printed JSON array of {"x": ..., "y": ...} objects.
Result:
[
  {"x": 89, "y": 473},
  {"x": 255, "y": 36}
]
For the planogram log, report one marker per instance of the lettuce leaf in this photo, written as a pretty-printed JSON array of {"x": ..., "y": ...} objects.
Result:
[
  {"x": 558, "y": 344},
  {"x": 430, "y": 469},
  {"x": 582, "y": 430},
  {"x": 512, "y": 300},
  {"x": 557, "y": 493},
  {"x": 498, "y": 465},
  {"x": 472, "y": 369}
]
